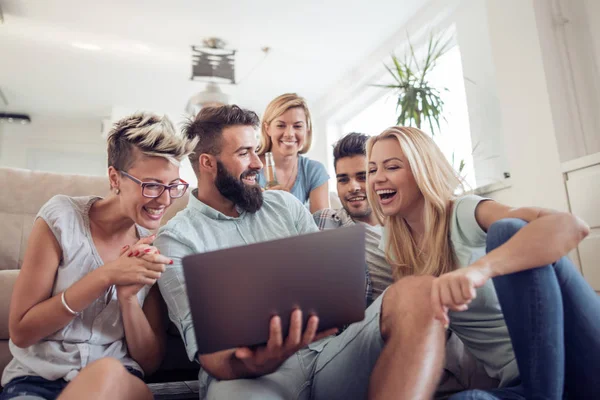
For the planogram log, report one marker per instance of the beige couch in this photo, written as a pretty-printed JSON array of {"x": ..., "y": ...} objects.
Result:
[{"x": 24, "y": 192}]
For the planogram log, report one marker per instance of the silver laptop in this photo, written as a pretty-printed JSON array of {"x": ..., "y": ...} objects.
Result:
[{"x": 233, "y": 293}]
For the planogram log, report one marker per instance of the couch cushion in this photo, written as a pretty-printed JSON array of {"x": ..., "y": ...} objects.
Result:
[
  {"x": 10, "y": 239},
  {"x": 5, "y": 355},
  {"x": 29, "y": 191},
  {"x": 7, "y": 281}
]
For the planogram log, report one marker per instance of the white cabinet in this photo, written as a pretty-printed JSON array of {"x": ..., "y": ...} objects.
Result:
[{"x": 583, "y": 188}]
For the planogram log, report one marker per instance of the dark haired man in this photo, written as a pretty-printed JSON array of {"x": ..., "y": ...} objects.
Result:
[
  {"x": 229, "y": 209},
  {"x": 461, "y": 370},
  {"x": 350, "y": 163}
]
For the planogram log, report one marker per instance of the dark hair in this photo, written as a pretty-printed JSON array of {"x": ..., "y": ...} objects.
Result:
[
  {"x": 208, "y": 128},
  {"x": 353, "y": 144}
]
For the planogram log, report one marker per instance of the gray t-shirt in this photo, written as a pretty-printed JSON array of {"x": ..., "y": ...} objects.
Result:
[
  {"x": 481, "y": 328},
  {"x": 96, "y": 332}
]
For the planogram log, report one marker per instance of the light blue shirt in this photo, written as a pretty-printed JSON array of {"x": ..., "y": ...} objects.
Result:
[
  {"x": 311, "y": 175},
  {"x": 199, "y": 228}
]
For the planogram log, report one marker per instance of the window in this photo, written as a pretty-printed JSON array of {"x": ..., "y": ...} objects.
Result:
[{"x": 454, "y": 138}]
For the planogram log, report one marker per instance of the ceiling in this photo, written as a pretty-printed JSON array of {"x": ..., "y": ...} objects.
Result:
[{"x": 140, "y": 56}]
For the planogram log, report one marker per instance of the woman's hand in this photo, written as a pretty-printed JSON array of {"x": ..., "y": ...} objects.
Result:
[
  {"x": 142, "y": 249},
  {"x": 137, "y": 266},
  {"x": 455, "y": 290},
  {"x": 128, "y": 292}
]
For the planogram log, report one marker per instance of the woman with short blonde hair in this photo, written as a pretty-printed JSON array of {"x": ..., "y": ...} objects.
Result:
[
  {"x": 286, "y": 132},
  {"x": 85, "y": 316},
  {"x": 523, "y": 314}
]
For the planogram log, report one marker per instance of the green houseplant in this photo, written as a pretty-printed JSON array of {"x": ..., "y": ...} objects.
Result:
[{"x": 418, "y": 102}]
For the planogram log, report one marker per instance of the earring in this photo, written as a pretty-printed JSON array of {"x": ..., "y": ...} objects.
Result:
[{"x": 118, "y": 191}]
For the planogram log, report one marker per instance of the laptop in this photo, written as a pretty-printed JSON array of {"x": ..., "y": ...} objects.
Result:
[{"x": 234, "y": 292}]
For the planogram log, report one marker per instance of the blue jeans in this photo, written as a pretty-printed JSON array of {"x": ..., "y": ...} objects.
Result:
[
  {"x": 553, "y": 318},
  {"x": 38, "y": 388}
]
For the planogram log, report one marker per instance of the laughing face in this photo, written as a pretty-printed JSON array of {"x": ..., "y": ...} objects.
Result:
[
  {"x": 145, "y": 211},
  {"x": 288, "y": 132},
  {"x": 392, "y": 180},
  {"x": 351, "y": 177},
  {"x": 238, "y": 167}
]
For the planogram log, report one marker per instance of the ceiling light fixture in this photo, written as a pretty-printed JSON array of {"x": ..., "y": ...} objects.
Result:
[
  {"x": 15, "y": 118},
  {"x": 212, "y": 95},
  {"x": 212, "y": 62}
]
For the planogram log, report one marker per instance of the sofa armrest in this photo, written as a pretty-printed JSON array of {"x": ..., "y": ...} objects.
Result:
[{"x": 7, "y": 281}]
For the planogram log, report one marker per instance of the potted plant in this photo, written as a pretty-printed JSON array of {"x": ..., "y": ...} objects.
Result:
[{"x": 418, "y": 102}]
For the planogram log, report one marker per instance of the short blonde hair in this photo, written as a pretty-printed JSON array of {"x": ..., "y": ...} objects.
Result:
[
  {"x": 437, "y": 181},
  {"x": 151, "y": 135},
  {"x": 277, "y": 107}
]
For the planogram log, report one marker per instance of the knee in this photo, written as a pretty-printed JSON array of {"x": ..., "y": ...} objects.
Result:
[
  {"x": 502, "y": 230},
  {"x": 107, "y": 369},
  {"x": 407, "y": 305}
]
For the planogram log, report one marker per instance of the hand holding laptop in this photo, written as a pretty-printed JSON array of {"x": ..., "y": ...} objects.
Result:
[
  {"x": 245, "y": 302},
  {"x": 263, "y": 360}
]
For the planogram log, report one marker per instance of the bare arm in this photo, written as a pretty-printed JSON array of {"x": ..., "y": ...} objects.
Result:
[
  {"x": 144, "y": 329},
  {"x": 548, "y": 236},
  {"x": 223, "y": 365},
  {"x": 319, "y": 198},
  {"x": 248, "y": 363},
  {"x": 33, "y": 313}
]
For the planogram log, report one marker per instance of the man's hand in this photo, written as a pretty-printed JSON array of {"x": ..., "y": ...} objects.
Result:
[
  {"x": 266, "y": 359},
  {"x": 456, "y": 289}
]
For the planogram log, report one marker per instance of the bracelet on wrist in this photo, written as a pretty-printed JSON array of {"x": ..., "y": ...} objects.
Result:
[{"x": 69, "y": 309}]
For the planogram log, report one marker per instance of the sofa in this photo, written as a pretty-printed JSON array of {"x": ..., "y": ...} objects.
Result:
[{"x": 24, "y": 193}]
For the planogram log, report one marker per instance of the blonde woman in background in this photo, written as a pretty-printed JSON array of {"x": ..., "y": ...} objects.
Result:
[
  {"x": 504, "y": 284},
  {"x": 286, "y": 131},
  {"x": 85, "y": 316}
]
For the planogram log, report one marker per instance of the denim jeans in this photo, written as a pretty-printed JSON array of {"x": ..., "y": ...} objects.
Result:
[
  {"x": 553, "y": 318},
  {"x": 38, "y": 388}
]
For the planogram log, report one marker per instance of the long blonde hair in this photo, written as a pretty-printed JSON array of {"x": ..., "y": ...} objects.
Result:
[
  {"x": 437, "y": 181},
  {"x": 277, "y": 107}
]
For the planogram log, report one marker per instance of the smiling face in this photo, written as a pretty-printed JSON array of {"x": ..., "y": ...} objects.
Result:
[
  {"x": 392, "y": 181},
  {"x": 145, "y": 211},
  {"x": 351, "y": 174},
  {"x": 238, "y": 167},
  {"x": 288, "y": 132}
]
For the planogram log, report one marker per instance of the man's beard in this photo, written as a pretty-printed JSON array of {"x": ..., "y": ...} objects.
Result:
[{"x": 248, "y": 198}]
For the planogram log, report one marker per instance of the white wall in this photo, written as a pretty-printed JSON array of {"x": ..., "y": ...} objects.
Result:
[
  {"x": 573, "y": 78},
  {"x": 592, "y": 10},
  {"x": 527, "y": 124},
  {"x": 55, "y": 145}
]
